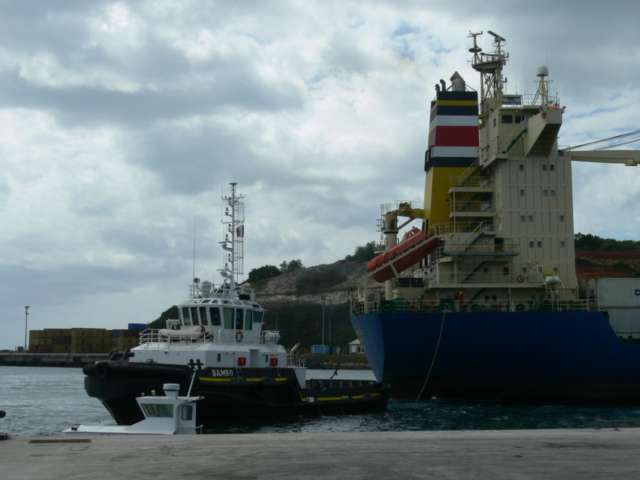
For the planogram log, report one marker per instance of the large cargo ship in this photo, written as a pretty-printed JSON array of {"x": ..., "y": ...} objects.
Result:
[{"x": 482, "y": 301}]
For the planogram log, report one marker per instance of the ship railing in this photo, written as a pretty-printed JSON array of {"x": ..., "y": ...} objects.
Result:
[
  {"x": 219, "y": 336},
  {"x": 460, "y": 227},
  {"x": 472, "y": 180},
  {"x": 471, "y": 206},
  {"x": 462, "y": 305},
  {"x": 294, "y": 360},
  {"x": 153, "y": 335},
  {"x": 492, "y": 249},
  {"x": 269, "y": 337},
  {"x": 529, "y": 99},
  {"x": 478, "y": 276}
]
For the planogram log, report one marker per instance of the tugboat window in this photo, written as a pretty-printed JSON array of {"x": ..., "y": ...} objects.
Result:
[
  {"x": 239, "y": 315},
  {"x": 257, "y": 317},
  {"x": 203, "y": 316},
  {"x": 186, "y": 412},
  {"x": 228, "y": 317},
  {"x": 215, "y": 316},
  {"x": 186, "y": 317},
  {"x": 248, "y": 320},
  {"x": 158, "y": 410},
  {"x": 194, "y": 315}
]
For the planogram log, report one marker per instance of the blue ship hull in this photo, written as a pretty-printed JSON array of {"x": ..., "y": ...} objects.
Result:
[{"x": 571, "y": 356}]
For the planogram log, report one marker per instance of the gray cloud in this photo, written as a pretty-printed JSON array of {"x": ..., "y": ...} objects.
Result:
[
  {"x": 80, "y": 105},
  {"x": 318, "y": 110}
]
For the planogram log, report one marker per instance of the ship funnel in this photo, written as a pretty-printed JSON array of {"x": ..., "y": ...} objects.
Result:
[{"x": 457, "y": 83}]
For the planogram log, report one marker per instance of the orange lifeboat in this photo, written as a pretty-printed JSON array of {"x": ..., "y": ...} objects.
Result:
[{"x": 410, "y": 251}]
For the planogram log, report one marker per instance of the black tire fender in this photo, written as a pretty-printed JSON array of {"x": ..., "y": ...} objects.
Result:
[{"x": 103, "y": 370}]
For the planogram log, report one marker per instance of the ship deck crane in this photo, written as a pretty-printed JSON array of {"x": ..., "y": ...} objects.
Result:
[{"x": 630, "y": 158}]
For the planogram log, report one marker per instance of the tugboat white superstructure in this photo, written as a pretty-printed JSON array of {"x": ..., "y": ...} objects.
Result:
[
  {"x": 219, "y": 326},
  {"x": 242, "y": 371}
]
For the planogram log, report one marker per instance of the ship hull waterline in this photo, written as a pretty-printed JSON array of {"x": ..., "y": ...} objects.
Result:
[{"x": 530, "y": 357}]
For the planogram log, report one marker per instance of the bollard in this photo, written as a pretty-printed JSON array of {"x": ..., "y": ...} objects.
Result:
[{"x": 3, "y": 436}]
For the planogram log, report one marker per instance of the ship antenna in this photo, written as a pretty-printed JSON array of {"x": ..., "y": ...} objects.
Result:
[
  {"x": 233, "y": 243},
  {"x": 193, "y": 273}
]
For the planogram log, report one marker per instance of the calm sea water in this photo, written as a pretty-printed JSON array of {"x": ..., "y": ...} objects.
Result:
[{"x": 44, "y": 401}]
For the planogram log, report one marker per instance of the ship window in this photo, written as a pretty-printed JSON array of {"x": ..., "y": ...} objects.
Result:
[
  {"x": 186, "y": 317},
  {"x": 522, "y": 218},
  {"x": 228, "y": 317},
  {"x": 562, "y": 218},
  {"x": 545, "y": 192},
  {"x": 494, "y": 121},
  {"x": 505, "y": 271},
  {"x": 215, "y": 316},
  {"x": 521, "y": 167},
  {"x": 553, "y": 192},
  {"x": 158, "y": 410},
  {"x": 219, "y": 357},
  {"x": 239, "y": 312},
  {"x": 186, "y": 412},
  {"x": 194, "y": 315},
  {"x": 531, "y": 244},
  {"x": 562, "y": 244},
  {"x": 203, "y": 316},
  {"x": 531, "y": 218},
  {"x": 544, "y": 167},
  {"x": 248, "y": 320},
  {"x": 257, "y": 317},
  {"x": 507, "y": 118},
  {"x": 522, "y": 192},
  {"x": 539, "y": 243},
  {"x": 552, "y": 167}
]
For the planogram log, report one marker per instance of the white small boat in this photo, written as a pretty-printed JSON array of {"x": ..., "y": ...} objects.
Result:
[{"x": 170, "y": 414}]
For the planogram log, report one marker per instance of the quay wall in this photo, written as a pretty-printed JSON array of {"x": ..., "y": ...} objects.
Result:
[{"x": 26, "y": 359}]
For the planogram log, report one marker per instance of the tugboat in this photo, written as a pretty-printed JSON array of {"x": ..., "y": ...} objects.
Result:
[{"x": 242, "y": 372}]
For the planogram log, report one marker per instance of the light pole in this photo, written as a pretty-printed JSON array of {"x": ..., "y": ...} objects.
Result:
[
  {"x": 26, "y": 322},
  {"x": 322, "y": 299}
]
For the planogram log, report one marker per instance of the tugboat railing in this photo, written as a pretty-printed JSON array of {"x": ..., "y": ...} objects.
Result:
[{"x": 220, "y": 336}]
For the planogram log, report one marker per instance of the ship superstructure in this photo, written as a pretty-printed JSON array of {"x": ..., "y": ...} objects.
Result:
[
  {"x": 497, "y": 218},
  {"x": 481, "y": 299}
]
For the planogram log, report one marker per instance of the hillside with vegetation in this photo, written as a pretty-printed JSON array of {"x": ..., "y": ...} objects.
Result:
[{"x": 296, "y": 296}]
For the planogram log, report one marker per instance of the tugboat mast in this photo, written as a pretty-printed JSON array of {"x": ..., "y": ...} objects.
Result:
[{"x": 233, "y": 242}]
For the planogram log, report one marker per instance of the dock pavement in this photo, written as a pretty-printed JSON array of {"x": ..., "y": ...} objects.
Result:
[{"x": 502, "y": 454}]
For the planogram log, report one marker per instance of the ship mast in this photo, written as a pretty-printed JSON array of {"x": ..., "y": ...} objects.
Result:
[
  {"x": 490, "y": 66},
  {"x": 233, "y": 243}
]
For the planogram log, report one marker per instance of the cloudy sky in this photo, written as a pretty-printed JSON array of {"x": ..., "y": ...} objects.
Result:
[{"x": 122, "y": 122}]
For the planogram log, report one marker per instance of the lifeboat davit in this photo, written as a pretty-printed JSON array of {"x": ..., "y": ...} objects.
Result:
[{"x": 407, "y": 253}]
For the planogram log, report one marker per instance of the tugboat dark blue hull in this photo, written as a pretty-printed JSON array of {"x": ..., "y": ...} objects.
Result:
[{"x": 571, "y": 356}]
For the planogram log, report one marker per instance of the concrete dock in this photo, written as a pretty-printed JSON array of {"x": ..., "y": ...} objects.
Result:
[{"x": 508, "y": 454}]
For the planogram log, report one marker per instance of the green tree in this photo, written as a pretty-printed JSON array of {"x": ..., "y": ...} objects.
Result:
[
  {"x": 292, "y": 266},
  {"x": 264, "y": 272},
  {"x": 586, "y": 241},
  {"x": 363, "y": 253}
]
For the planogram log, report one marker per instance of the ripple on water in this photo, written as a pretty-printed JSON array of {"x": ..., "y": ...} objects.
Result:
[{"x": 44, "y": 401}]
